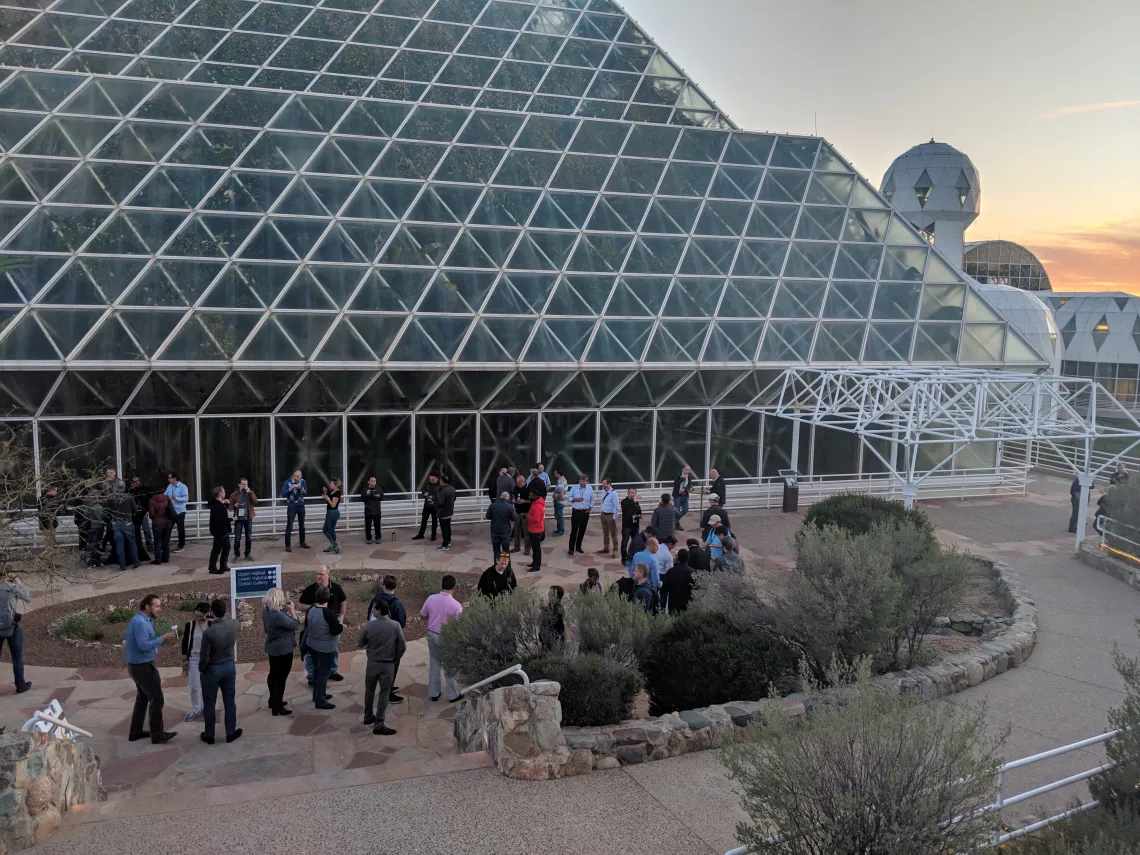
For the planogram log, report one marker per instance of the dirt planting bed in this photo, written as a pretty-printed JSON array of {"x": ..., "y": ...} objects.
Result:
[{"x": 42, "y": 646}]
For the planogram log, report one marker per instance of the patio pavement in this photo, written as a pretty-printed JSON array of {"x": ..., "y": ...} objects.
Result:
[{"x": 442, "y": 802}]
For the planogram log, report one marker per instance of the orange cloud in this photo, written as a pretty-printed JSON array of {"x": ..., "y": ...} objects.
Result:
[
  {"x": 1099, "y": 257},
  {"x": 1061, "y": 112}
]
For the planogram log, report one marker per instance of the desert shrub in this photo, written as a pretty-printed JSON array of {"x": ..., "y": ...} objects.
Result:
[
  {"x": 858, "y": 513},
  {"x": 843, "y": 598},
  {"x": 364, "y": 594},
  {"x": 610, "y": 625},
  {"x": 932, "y": 585},
  {"x": 595, "y": 690},
  {"x": 883, "y": 773},
  {"x": 187, "y": 605},
  {"x": 80, "y": 627},
  {"x": 1119, "y": 789},
  {"x": 162, "y": 626},
  {"x": 1123, "y": 505},
  {"x": 1097, "y": 832},
  {"x": 120, "y": 615},
  {"x": 492, "y": 634},
  {"x": 428, "y": 582},
  {"x": 704, "y": 658}
]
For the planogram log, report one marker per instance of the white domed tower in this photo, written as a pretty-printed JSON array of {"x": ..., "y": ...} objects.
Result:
[{"x": 938, "y": 189}]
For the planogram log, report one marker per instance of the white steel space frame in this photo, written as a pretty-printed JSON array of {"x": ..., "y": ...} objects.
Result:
[{"x": 907, "y": 409}]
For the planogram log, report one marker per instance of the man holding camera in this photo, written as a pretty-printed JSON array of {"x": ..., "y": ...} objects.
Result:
[
  {"x": 429, "y": 494},
  {"x": 294, "y": 495}
]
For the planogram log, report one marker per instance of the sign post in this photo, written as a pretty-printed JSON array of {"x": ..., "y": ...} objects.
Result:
[{"x": 252, "y": 582}]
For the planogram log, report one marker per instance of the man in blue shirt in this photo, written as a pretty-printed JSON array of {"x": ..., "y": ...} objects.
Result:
[
  {"x": 140, "y": 648},
  {"x": 648, "y": 557},
  {"x": 610, "y": 514},
  {"x": 179, "y": 497},
  {"x": 581, "y": 497},
  {"x": 294, "y": 494},
  {"x": 540, "y": 469}
]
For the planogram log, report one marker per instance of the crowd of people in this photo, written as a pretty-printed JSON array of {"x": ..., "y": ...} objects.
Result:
[{"x": 313, "y": 626}]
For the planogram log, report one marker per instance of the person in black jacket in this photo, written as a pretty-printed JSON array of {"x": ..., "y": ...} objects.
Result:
[
  {"x": 502, "y": 514},
  {"x": 630, "y": 521},
  {"x": 716, "y": 485},
  {"x": 522, "y": 498},
  {"x": 677, "y": 584},
  {"x": 143, "y": 532},
  {"x": 428, "y": 495},
  {"x": 399, "y": 614},
  {"x": 699, "y": 558},
  {"x": 372, "y": 497},
  {"x": 713, "y": 510},
  {"x": 445, "y": 507},
  {"x": 219, "y": 507},
  {"x": 499, "y": 579}
]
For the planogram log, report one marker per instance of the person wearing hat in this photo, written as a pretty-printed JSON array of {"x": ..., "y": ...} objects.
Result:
[
  {"x": 191, "y": 655},
  {"x": 714, "y": 509},
  {"x": 499, "y": 578}
]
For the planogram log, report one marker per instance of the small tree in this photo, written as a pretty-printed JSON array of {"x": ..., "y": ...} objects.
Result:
[
  {"x": 493, "y": 633},
  {"x": 842, "y": 603},
  {"x": 883, "y": 774},
  {"x": 1119, "y": 789},
  {"x": 932, "y": 586},
  {"x": 612, "y": 626},
  {"x": 26, "y": 547}
]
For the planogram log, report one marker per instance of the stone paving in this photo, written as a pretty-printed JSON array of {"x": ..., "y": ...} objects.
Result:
[{"x": 1061, "y": 695}]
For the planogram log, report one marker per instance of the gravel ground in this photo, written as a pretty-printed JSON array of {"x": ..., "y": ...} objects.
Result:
[{"x": 43, "y": 648}]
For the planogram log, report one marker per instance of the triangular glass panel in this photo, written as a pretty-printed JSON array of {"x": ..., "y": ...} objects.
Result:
[
  {"x": 703, "y": 389},
  {"x": 888, "y": 343},
  {"x": 131, "y": 334},
  {"x": 175, "y": 394},
  {"x": 93, "y": 281},
  {"x": 747, "y": 298},
  {"x": 923, "y": 188},
  {"x": 92, "y": 393},
  {"x": 977, "y": 309},
  {"x": 361, "y": 338},
  {"x": 22, "y": 392},
  {"x": 465, "y": 389},
  {"x": 962, "y": 187},
  {"x": 902, "y": 233},
  {"x": 733, "y": 341},
  {"x": 1069, "y": 330},
  {"x": 430, "y": 339},
  {"x": 1100, "y": 332},
  {"x": 211, "y": 336},
  {"x": 25, "y": 338},
  {"x": 172, "y": 283},
  {"x": 327, "y": 391},
  {"x": 67, "y": 327},
  {"x": 397, "y": 390},
  {"x": 530, "y": 389},
  {"x": 1016, "y": 350},
  {"x": 693, "y": 298},
  {"x": 1121, "y": 302},
  {"x": 787, "y": 341},
  {"x": 865, "y": 197},
  {"x": 305, "y": 293},
  {"x": 651, "y": 388},
  {"x": 287, "y": 337},
  {"x": 678, "y": 341},
  {"x": 558, "y": 340},
  {"x": 457, "y": 291},
  {"x": 620, "y": 341},
  {"x": 252, "y": 391},
  {"x": 982, "y": 342},
  {"x": 840, "y": 342},
  {"x": 497, "y": 340},
  {"x": 937, "y": 342}
]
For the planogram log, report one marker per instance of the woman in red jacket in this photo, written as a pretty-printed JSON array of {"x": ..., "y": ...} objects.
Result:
[{"x": 536, "y": 528}]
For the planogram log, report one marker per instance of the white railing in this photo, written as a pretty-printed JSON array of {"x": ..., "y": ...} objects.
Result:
[
  {"x": 1125, "y": 538},
  {"x": 1047, "y": 459},
  {"x": 1003, "y": 801},
  {"x": 506, "y": 672},
  {"x": 403, "y": 510}
]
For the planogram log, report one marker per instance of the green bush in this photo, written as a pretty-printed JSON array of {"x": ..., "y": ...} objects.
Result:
[
  {"x": 842, "y": 601},
  {"x": 493, "y": 633},
  {"x": 595, "y": 690},
  {"x": 187, "y": 605},
  {"x": 429, "y": 582},
  {"x": 882, "y": 773},
  {"x": 858, "y": 513},
  {"x": 120, "y": 615},
  {"x": 610, "y": 625},
  {"x": 704, "y": 658},
  {"x": 80, "y": 627}
]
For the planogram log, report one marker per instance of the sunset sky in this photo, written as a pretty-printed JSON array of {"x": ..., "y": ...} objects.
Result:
[{"x": 1043, "y": 95}]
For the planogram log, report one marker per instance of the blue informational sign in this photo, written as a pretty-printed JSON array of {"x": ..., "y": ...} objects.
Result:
[{"x": 249, "y": 582}]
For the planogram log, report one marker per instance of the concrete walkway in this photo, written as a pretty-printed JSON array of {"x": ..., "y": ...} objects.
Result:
[{"x": 683, "y": 805}]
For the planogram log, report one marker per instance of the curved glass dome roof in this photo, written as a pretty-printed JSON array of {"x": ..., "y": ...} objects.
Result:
[{"x": 1002, "y": 262}]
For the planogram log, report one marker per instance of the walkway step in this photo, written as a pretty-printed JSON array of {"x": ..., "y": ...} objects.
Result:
[{"x": 192, "y": 799}]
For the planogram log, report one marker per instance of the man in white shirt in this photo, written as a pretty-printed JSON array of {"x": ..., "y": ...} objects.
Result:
[
  {"x": 610, "y": 515},
  {"x": 581, "y": 497}
]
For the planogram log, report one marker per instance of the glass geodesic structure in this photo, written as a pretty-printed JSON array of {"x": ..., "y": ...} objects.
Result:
[{"x": 372, "y": 237}]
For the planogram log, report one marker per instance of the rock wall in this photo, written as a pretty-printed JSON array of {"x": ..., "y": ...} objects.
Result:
[
  {"x": 1106, "y": 562},
  {"x": 40, "y": 779},
  {"x": 521, "y": 727}
]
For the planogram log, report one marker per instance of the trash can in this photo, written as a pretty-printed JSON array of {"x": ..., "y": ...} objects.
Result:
[{"x": 791, "y": 490}]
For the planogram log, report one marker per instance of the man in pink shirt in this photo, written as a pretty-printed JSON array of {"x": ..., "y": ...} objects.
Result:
[{"x": 439, "y": 609}]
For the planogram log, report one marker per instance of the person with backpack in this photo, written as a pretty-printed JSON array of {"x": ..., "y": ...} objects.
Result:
[
  {"x": 160, "y": 509},
  {"x": 644, "y": 594},
  {"x": 399, "y": 614},
  {"x": 12, "y": 592}
]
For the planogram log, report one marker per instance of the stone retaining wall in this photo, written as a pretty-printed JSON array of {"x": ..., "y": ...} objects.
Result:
[
  {"x": 40, "y": 778},
  {"x": 1118, "y": 568},
  {"x": 521, "y": 730}
]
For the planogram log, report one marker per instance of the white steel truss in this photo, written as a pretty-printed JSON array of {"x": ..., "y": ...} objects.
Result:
[{"x": 916, "y": 421}]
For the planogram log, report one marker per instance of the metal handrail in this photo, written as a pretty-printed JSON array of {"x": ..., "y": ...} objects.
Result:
[
  {"x": 1003, "y": 802},
  {"x": 514, "y": 669}
]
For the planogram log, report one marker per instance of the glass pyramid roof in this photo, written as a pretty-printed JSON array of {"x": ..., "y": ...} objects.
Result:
[{"x": 426, "y": 185}]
